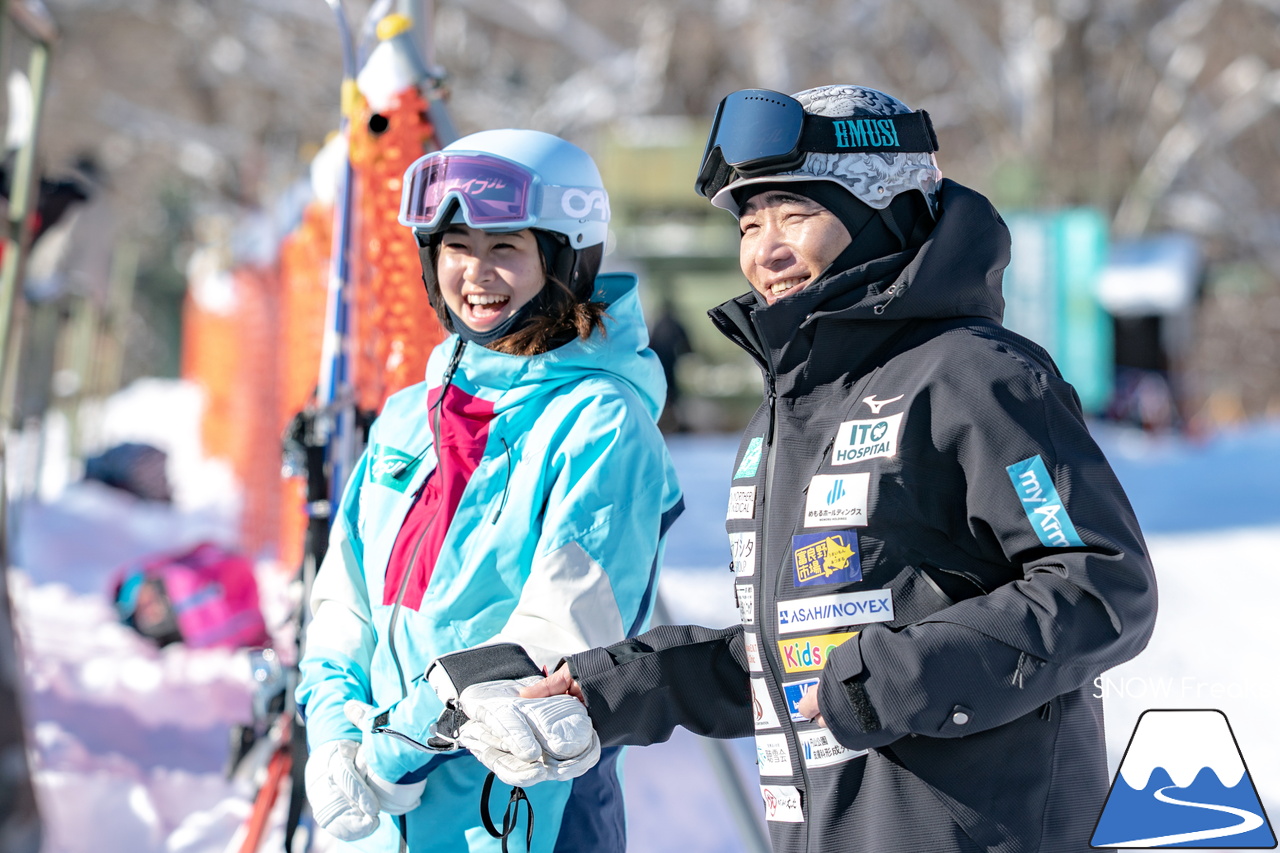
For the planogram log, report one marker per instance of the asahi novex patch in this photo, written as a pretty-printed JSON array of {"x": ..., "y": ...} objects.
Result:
[
  {"x": 826, "y": 558},
  {"x": 1042, "y": 505},
  {"x": 835, "y": 611}
]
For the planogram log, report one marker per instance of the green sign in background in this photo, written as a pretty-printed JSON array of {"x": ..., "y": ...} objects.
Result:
[{"x": 1051, "y": 295}]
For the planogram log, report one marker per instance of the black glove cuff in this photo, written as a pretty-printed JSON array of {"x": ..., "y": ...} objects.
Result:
[{"x": 499, "y": 662}]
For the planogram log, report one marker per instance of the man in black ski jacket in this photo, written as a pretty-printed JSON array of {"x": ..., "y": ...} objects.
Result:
[{"x": 933, "y": 558}]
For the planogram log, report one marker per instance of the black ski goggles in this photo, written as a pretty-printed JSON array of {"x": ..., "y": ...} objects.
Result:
[{"x": 762, "y": 132}]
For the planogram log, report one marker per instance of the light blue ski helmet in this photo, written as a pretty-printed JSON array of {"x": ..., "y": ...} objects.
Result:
[{"x": 507, "y": 180}]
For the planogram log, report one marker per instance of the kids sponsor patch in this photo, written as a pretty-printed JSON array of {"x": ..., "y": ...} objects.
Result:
[
  {"x": 821, "y": 558},
  {"x": 837, "y": 500},
  {"x": 835, "y": 611},
  {"x": 810, "y": 654},
  {"x": 857, "y": 441},
  {"x": 772, "y": 755},
  {"x": 819, "y": 748},
  {"x": 742, "y": 502}
]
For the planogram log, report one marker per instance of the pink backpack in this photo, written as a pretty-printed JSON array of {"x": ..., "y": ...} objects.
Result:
[{"x": 204, "y": 597}]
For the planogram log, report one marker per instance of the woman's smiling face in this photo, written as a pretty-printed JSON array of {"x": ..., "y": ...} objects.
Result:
[{"x": 485, "y": 277}]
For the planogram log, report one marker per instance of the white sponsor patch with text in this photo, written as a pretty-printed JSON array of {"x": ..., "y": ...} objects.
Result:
[
  {"x": 742, "y": 502},
  {"x": 772, "y": 755},
  {"x": 782, "y": 803},
  {"x": 837, "y": 500}
]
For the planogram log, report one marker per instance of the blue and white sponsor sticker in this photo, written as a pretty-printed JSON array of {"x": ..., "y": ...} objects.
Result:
[
  {"x": 742, "y": 546},
  {"x": 819, "y": 748},
  {"x": 823, "y": 558},
  {"x": 742, "y": 502},
  {"x": 793, "y": 692},
  {"x": 1042, "y": 505},
  {"x": 837, "y": 500},
  {"x": 782, "y": 803},
  {"x": 835, "y": 611},
  {"x": 766, "y": 716},
  {"x": 750, "y": 460},
  {"x": 772, "y": 755},
  {"x": 858, "y": 441}
]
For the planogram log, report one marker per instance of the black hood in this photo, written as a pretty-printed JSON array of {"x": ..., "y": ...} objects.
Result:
[{"x": 955, "y": 274}]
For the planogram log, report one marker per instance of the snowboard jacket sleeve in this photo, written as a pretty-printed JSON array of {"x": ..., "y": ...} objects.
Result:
[
  {"x": 1041, "y": 499},
  {"x": 611, "y": 495},
  {"x": 639, "y": 690},
  {"x": 340, "y": 636}
]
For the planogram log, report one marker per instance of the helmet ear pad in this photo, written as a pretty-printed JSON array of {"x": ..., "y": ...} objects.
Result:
[
  {"x": 428, "y": 249},
  {"x": 576, "y": 269}
]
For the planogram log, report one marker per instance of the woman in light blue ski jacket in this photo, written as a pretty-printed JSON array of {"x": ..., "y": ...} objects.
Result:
[{"x": 521, "y": 494}]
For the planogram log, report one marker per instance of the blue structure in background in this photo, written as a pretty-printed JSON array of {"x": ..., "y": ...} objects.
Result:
[{"x": 1051, "y": 295}]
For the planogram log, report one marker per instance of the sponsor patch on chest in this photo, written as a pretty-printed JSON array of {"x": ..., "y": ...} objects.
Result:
[
  {"x": 742, "y": 502},
  {"x": 750, "y": 460},
  {"x": 819, "y": 748},
  {"x": 751, "y": 642},
  {"x": 857, "y": 441},
  {"x": 809, "y": 654},
  {"x": 793, "y": 692},
  {"x": 772, "y": 754},
  {"x": 822, "y": 558},
  {"x": 745, "y": 596},
  {"x": 782, "y": 803},
  {"x": 835, "y": 611},
  {"x": 765, "y": 715},
  {"x": 743, "y": 548},
  {"x": 837, "y": 500}
]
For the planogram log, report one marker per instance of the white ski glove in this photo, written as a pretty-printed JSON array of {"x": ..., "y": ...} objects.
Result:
[
  {"x": 341, "y": 800},
  {"x": 526, "y": 741},
  {"x": 395, "y": 799}
]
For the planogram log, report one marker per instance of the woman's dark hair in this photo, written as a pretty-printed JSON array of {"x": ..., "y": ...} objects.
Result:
[{"x": 568, "y": 312}]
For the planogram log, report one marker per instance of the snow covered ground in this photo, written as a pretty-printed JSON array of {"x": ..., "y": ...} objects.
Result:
[{"x": 129, "y": 742}]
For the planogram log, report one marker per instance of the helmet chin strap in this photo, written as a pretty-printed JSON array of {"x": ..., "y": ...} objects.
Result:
[{"x": 513, "y": 323}]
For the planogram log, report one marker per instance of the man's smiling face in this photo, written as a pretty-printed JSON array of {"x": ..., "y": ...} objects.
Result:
[{"x": 788, "y": 240}]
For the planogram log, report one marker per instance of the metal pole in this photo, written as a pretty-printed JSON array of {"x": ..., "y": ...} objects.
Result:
[
  {"x": 17, "y": 236},
  {"x": 737, "y": 795}
]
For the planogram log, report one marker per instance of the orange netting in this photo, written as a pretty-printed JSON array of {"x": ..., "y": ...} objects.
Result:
[
  {"x": 395, "y": 326},
  {"x": 258, "y": 357}
]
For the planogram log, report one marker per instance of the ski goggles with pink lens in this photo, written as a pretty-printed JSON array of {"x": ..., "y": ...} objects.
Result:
[{"x": 491, "y": 192}]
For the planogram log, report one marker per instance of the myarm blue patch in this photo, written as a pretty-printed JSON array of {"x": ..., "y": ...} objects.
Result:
[{"x": 1042, "y": 505}]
